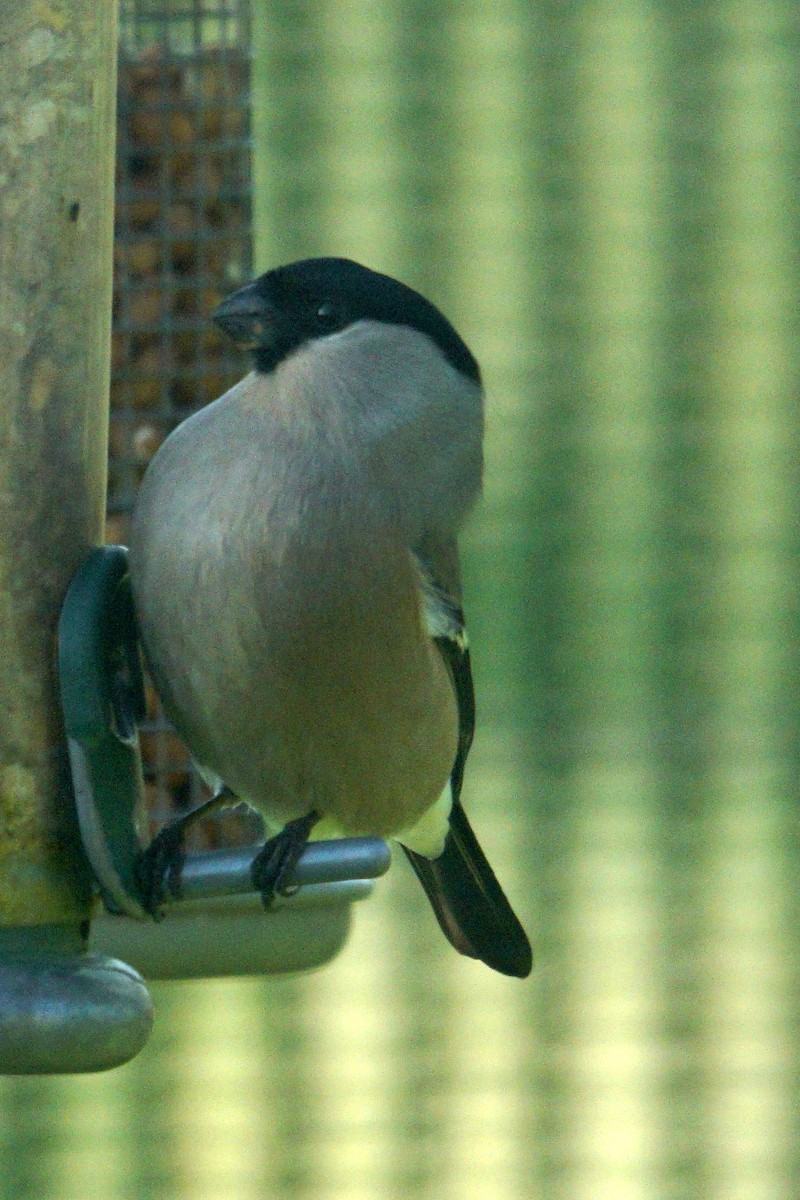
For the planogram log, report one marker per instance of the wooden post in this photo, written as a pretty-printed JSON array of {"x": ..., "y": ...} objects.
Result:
[
  {"x": 60, "y": 1009},
  {"x": 57, "y": 98}
]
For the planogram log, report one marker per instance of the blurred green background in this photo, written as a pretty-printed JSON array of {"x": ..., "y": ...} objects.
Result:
[{"x": 603, "y": 197}]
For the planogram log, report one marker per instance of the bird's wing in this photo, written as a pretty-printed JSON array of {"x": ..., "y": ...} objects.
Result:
[
  {"x": 444, "y": 618},
  {"x": 469, "y": 903}
]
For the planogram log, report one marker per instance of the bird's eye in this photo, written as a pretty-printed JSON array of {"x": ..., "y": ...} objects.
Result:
[{"x": 328, "y": 316}]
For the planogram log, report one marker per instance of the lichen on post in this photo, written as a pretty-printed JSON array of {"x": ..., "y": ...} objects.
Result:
[
  {"x": 61, "y": 1009},
  {"x": 57, "y": 88}
]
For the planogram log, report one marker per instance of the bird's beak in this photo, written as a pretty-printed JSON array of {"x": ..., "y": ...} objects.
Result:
[{"x": 245, "y": 317}]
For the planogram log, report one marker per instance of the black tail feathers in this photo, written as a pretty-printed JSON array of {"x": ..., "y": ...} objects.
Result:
[{"x": 469, "y": 903}]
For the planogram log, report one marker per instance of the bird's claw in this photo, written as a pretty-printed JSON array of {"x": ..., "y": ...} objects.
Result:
[
  {"x": 159, "y": 867},
  {"x": 273, "y": 866}
]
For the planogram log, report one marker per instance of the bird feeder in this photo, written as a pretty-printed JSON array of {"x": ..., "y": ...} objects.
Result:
[
  {"x": 216, "y": 926},
  {"x": 70, "y": 777},
  {"x": 62, "y": 1007}
]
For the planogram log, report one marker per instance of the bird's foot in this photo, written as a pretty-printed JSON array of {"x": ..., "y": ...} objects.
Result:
[
  {"x": 274, "y": 864},
  {"x": 158, "y": 868}
]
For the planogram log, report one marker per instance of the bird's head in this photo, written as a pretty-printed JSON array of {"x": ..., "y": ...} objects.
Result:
[{"x": 319, "y": 297}]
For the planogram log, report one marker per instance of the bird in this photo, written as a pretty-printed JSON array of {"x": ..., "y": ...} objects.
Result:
[{"x": 295, "y": 573}]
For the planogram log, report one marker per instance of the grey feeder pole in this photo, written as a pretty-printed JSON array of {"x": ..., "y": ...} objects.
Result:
[{"x": 61, "y": 1009}]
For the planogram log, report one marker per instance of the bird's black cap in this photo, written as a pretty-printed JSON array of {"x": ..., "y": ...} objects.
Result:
[{"x": 315, "y": 297}]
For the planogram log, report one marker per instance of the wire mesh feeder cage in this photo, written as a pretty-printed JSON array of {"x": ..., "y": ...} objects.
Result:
[{"x": 182, "y": 242}]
